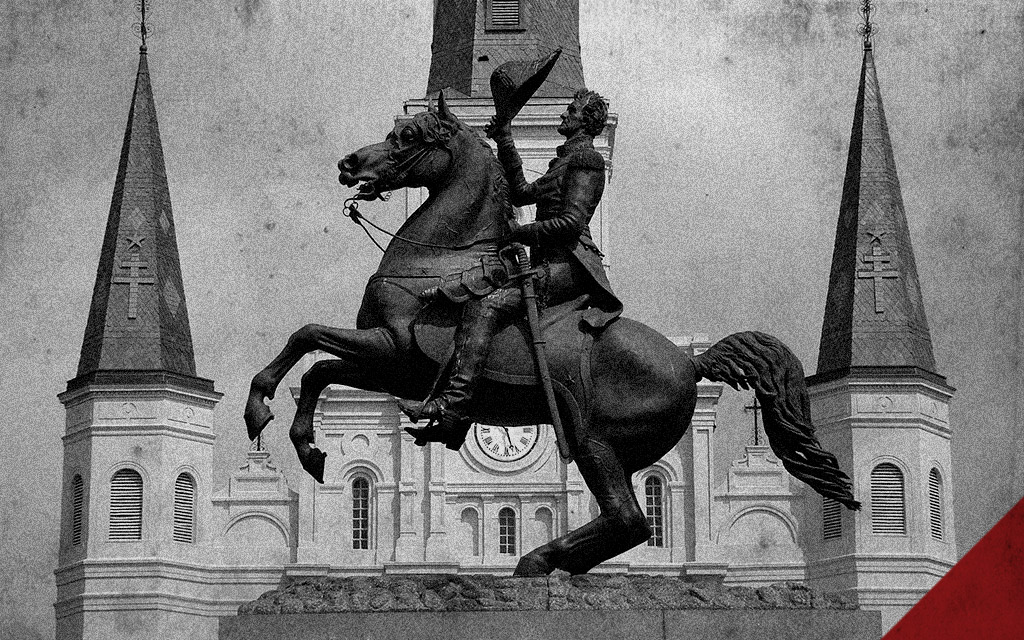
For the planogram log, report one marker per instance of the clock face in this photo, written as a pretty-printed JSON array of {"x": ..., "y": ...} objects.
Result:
[{"x": 506, "y": 444}]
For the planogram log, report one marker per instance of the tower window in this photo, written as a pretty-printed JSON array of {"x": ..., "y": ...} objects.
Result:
[
  {"x": 831, "y": 519},
  {"x": 655, "y": 502},
  {"x": 184, "y": 508},
  {"x": 504, "y": 14},
  {"x": 888, "y": 513},
  {"x": 126, "y": 506},
  {"x": 360, "y": 513},
  {"x": 935, "y": 503},
  {"x": 77, "y": 506},
  {"x": 507, "y": 531}
]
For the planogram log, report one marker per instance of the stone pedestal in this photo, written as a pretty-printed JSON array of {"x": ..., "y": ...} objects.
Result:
[{"x": 560, "y": 606}]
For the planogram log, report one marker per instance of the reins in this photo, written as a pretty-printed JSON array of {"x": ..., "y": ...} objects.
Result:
[{"x": 351, "y": 209}]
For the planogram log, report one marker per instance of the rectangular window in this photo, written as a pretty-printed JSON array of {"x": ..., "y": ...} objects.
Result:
[
  {"x": 655, "y": 511},
  {"x": 360, "y": 514},
  {"x": 507, "y": 531}
]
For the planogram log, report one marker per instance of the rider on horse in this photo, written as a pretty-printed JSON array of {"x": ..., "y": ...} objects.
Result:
[{"x": 563, "y": 250}]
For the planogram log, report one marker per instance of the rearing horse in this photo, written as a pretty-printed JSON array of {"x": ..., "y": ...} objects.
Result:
[{"x": 626, "y": 394}]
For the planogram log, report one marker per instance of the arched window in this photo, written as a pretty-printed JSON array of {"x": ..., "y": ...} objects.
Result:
[
  {"x": 507, "y": 531},
  {"x": 360, "y": 513},
  {"x": 77, "y": 506},
  {"x": 543, "y": 526},
  {"x": 184, "y": 508},
  {"x": 471, "y": 522},
  {"x": 935, "y": 503},
  {"x": 126, "y": 506},
  {"x": 831, "y": 519},
  {"x": 654, "y": 497},
  {"x": 504, "y": 14},
  {"x": 888, "y": 512}
]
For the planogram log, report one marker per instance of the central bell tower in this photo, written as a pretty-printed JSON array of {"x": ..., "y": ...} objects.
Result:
[{"x": 472, "y": 38}]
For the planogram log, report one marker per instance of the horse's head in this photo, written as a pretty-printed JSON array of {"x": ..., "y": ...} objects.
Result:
[{"x": 417, "y": 153}]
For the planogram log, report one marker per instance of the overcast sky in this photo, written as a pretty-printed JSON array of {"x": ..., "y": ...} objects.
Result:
[{"x": 734, "y": 121}]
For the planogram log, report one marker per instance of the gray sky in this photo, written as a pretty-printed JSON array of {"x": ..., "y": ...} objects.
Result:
[{"x": 734, "y": 124}]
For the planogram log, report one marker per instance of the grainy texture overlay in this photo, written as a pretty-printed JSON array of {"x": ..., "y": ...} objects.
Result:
[{"x": 734, "y": 119}]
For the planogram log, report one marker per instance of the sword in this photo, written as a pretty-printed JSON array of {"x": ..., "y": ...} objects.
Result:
[{"x": 527, "y": 282}]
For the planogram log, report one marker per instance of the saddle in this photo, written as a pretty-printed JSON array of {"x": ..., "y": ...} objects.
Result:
[{"x": 511, "y": 359}]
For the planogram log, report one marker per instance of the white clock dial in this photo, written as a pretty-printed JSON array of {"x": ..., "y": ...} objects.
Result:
[{"x": 506, "y": 444}]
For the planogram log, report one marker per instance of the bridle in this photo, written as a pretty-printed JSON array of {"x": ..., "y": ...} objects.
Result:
[{"x": 392, "y": 175}]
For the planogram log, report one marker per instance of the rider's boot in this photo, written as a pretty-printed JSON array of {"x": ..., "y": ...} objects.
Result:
[{"x": 480, "y": 321}]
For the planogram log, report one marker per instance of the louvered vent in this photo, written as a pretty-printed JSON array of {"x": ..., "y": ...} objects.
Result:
[
  {"x": 654, "y": 495},
  {"x": 888, "y": 515},
  {"x": 126, "y": 506},
  {"x": 184, "y": 508},
  {"x": 360, "y": 513},
  {"x": 505, "y": 14},
  {"x": 831, "y": 519},
  {"x": 77, "y": 504},
  {"x": 935, "y": 503}
]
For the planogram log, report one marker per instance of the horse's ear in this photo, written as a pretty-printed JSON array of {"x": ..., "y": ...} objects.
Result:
[
  {"x": 442, "y": 108},
  {"x": 430, "y": 106}
]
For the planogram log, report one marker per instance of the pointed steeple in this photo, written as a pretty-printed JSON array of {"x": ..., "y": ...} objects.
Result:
[
  {"x": 472, "y": 37},
  {"x": 138, "y": 329},
  {"x": 874, "y": 315}
]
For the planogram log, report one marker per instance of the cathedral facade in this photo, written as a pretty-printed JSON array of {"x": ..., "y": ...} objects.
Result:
[{"x": 149, "y": 549}]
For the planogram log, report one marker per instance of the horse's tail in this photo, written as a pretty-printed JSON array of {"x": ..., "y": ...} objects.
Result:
[{"x": 758, "y": 360}]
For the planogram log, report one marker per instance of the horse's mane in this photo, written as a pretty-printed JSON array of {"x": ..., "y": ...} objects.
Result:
[
  {"x": 499, "y": 188},
  {"x": 499, "y": 184}
]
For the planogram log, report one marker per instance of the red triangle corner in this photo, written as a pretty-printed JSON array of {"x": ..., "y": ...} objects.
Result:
[{"x": 982, "y": 596}]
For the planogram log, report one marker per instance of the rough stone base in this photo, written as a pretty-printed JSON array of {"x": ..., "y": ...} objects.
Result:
[{"x": 484, "y": 607}]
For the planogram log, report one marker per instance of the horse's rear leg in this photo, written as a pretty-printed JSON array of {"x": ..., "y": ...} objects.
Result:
[
  {"x": 314, "y": 381},
  {"x": 351, "y": 345},
  {"x": 620, "y": 527}
]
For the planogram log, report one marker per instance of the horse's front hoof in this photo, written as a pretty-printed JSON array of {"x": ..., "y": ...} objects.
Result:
[
  {"x": 312, "y": 460},
  {"x": 257, "y": 415},
  {"x": 531, "y": 566}
]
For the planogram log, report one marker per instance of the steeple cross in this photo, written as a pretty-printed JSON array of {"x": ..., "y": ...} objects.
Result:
[
  {"x": 134, "y": 279},
  {"x": 755, "y": 408},
  {"x": 878, "y": 259}
]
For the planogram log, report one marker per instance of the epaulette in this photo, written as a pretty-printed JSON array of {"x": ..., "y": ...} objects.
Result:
[{"x": 587, "y": 158}]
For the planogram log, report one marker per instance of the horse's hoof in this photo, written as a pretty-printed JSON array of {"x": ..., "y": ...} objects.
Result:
[
  {"x": 257, "y": 415},
  {"x": 531, "y": 566},
  {"x": 312, "y": 460}
]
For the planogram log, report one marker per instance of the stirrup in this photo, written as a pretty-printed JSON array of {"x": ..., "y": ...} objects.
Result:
[
  {"x": 449, "y": 430},
  {"x": 412, "y": 408}
]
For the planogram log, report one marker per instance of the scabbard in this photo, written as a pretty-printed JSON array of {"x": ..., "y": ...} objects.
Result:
[{"x": 533, "y": 319}]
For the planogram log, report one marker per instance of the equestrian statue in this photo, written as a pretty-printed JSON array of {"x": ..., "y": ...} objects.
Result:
[{"x": 449, "y": 323}]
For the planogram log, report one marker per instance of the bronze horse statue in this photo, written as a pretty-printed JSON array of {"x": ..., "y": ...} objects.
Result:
[{"x": 626, "y": 395}]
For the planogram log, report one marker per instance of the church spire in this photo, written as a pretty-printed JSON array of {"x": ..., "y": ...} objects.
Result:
[
  {"x": 138, "y": 329},
  {"x": 874, "y": 315},
  {"x": 472, "y": 37}
]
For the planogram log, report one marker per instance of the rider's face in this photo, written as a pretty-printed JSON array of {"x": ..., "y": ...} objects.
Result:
[{"x": 572, "y": 119}]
